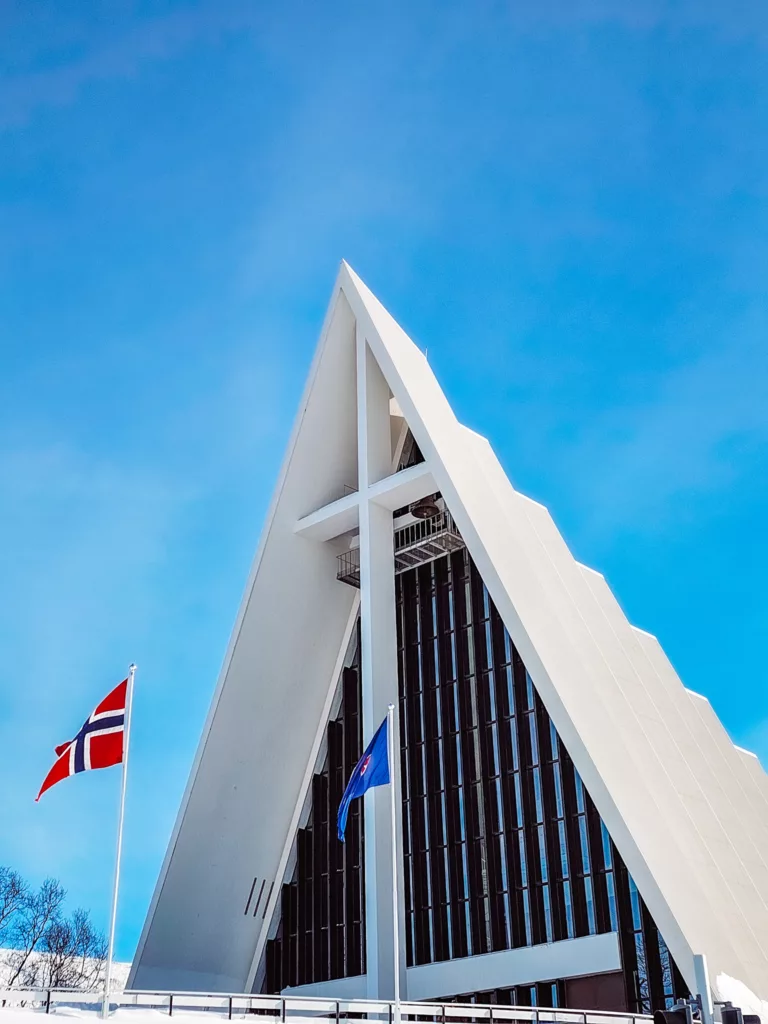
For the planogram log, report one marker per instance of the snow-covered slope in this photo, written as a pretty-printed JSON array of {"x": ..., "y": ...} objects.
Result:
[{"x": 119, "y": 971}]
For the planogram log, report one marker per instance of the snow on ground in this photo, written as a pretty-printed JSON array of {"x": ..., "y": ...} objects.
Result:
[
  {"x": 120, "y": 971},
  {"x": 126, "y": 1015}
]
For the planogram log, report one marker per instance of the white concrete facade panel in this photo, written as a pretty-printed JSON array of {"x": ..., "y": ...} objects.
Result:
[
  {"x": 275, "y": 682},
  {"x": 672, "y": 790},
  {"x": 594, "y": 954}
]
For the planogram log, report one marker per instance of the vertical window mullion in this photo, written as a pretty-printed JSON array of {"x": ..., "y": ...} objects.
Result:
[
  {"x": 526, "y": 737},
  {"x": 446, "y": 618},
  {"x": 550, "y": 816},
  {"x": 573, "y": 839},
  {"x": 435, "y": 818},
  {"x": 470, "y": 759},
  {"x": 495, "y": 900}
]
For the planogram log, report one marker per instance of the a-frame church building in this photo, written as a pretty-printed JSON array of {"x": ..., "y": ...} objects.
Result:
[{"x": 577, "y": 828}]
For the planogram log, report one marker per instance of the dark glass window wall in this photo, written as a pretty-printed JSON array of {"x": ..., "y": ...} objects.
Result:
[
  {"x": 503, "y": 846},
  {"x": 320, "y": 935}
]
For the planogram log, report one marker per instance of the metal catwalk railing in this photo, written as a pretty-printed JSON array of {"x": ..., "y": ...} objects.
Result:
[
  {"x": 295, "y": 1008},
  {"x": 426, "y": 539},
  {"x": 421, "y": 541}
]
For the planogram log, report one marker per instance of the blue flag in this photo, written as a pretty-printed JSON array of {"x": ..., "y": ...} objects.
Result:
[{"x": 372, "y": 770}]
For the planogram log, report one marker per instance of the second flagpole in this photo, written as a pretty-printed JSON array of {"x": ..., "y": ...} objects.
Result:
[
  {"x": 119, "y": 851},
  {"x": 395, "y": 900}
]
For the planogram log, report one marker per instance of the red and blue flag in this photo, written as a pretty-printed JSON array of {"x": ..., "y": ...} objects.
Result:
[{"x": 99, "y": 744}]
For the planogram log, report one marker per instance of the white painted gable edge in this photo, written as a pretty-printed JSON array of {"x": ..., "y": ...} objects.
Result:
[
  {"x": 394, "y": 355},
  {"x": 440, "y": 438},
  {"x": 245, "y": 601}
]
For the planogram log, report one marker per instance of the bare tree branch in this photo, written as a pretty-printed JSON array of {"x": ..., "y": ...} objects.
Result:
[
  {"x": 72, "y": 953},
  {"x": 30, "y": 924},
  {"x": 13, "y": 894},
  {"x": 46, "y": 948}
]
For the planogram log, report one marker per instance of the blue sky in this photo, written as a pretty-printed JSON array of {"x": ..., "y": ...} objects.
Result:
[{"x": 565, "y": 202}]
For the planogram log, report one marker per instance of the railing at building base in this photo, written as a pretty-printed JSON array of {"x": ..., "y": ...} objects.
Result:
[{"x": 294, "y": 1008}]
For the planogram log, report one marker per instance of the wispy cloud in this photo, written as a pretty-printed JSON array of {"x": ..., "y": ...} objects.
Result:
[
  {"x": 501, "y": 156},
  {"x": 109, "y": 558},
  {"x": 84, "y": 539},
  {"x": 120, "y": 51},
  {"x": 743, "y": 20},
  {"x": 700, "y": 429},
  {"x": 61, "y": 59}
]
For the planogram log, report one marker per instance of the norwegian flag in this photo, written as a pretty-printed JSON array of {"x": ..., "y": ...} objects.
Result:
[{"x": 99, "y": 744}]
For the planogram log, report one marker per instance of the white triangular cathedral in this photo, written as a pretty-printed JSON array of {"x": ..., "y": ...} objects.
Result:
[{"x": 577, "y": 827}]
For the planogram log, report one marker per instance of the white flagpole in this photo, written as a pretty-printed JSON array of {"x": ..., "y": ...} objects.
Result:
[
  {"x": 116, "y": 886},
  {"x": 395, "y": 902}
]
